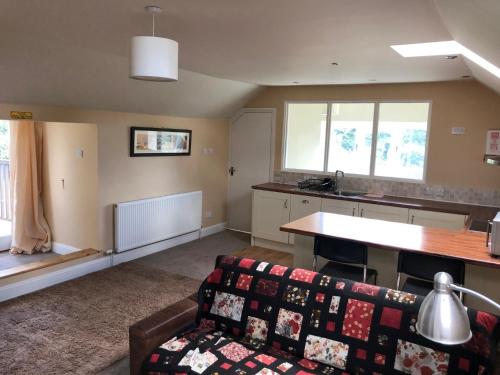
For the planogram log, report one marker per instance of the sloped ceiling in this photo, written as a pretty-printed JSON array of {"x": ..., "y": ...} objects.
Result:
[
  {"x": 75, "y": 53},
  {"x": 475, "y": 24}
]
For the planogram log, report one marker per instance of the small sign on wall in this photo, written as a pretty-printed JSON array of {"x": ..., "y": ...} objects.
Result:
[
  {"x": 19, "y": 115},
  {"x": 493, "y": 142}
]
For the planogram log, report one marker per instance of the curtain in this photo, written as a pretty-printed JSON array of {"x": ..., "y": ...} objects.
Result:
[{"x": 30, "y": 231}]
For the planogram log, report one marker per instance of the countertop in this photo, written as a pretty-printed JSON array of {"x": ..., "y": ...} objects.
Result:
[
  {"x": 475, "y": 212},
  {"x": 466, "y": 245}
]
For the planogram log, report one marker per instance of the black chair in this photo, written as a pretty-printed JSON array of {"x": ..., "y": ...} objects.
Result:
[
  {"x": 421, "y": 269},
  {"x": 342, "y": 255}
]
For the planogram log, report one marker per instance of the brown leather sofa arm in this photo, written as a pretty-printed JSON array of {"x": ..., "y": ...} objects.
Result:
[{"x": 149, "y": 333}]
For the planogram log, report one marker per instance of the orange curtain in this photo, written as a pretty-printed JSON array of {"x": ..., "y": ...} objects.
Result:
[{"x": 30, "y": 231}]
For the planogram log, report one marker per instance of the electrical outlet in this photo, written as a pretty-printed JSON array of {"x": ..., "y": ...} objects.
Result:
[
  {"x": 208, "y": 213},
  {"x": 79, "y": 153}
]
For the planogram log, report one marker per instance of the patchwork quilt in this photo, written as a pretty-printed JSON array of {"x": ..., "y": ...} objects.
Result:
[{"x": 258, "y": 318}]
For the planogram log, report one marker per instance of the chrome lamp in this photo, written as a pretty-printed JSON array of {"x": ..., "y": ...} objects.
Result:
[{"x": 442, "y": 318}]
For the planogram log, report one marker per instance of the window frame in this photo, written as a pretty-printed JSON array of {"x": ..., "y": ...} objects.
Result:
[{"x": 373, "y": 154}]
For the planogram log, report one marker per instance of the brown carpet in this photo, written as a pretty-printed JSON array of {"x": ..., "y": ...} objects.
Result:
[{"x": 81, "y": 326}]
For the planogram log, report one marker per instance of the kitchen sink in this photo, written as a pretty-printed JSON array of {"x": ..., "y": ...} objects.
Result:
[{"x": 347, "y": 193}]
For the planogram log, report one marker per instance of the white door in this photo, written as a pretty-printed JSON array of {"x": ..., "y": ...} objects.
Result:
[{"x": 250, "y": 162}]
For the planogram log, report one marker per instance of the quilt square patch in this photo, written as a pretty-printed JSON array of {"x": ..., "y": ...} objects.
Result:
[
  {"x": 257, "y": 328},
  {"x": 369, "y": 290},
  {"x": 235, "y": 352},
  {"x": 175, "y": 344},
  {"x": 400, "y": 297},
  {"x": 358, "y": 319},
  {"x": 246, "y": 263},
  {"x": 315, "y": 316},
  {"x": 244, "y": 281},
  {"x": 325, "y": 280},
  {"x": 262, "y": 266},
  {"x": 327, "y": 351},
  {"x": 267, "y": 287},
  {"x": 289, "y": 324},
  {"x": 340, "y": 285},
  {"x": 285, "y": 366},
  {"x": 294, "y": 294},
  {"x": 320, "y": 297},
  {"x": 215, "y": 276},
  {"x": 278, "y": 270},
  {"x": 391, "y": 317},
  {"x": 310, "y": 365},
  {"x": 417, "y": 359},
  {"x": 266, "y": 371},
  {"x": 334, "y": 305},
  {"x": 227, "y": 305},
  {"x": 229, "y": 278},
  {"x": 305, "y": 276},
  {"x": 265, "y": 359},
  {"x": 198, "y": 362}
]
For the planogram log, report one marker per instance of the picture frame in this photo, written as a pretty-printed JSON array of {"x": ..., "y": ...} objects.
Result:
[{"x": 148, "y": 141}]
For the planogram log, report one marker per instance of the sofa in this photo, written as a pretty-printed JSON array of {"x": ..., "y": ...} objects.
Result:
[{"x": 253, "y": 317}]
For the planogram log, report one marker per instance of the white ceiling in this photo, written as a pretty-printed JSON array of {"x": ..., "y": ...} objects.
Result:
[{"x": 75, "y": 53}]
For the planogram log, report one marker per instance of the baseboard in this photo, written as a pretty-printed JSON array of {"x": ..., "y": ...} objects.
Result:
[
  {"x": 63, "y": 249},
  {"x": 212, "y": 229},
  {"x": 140, "y": 252},
  {"x": 35, "y": 283}
]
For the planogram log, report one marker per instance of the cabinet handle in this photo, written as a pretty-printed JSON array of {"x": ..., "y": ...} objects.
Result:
[
  {"x": 412, "y": 218},
  {"x": 353, "y": 211},
  {"x": 285, "y": 204},
  {"x": 305, "y": 201},
  {"x": 362, "y": 212}
]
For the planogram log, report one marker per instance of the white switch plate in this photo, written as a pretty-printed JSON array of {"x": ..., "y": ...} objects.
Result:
[
  {"x": 79, "y": 153},
  {"x": 457, "y": 130}
]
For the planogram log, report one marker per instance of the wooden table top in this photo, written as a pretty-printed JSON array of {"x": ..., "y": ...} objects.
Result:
[{"x": 466, "y": 245}]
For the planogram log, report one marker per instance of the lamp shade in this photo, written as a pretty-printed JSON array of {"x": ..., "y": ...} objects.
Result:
[
  {"x": 153, "y": 58},
  {"x": 442, "y": 317}
]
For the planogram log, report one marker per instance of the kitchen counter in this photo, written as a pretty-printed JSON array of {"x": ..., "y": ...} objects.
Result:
[{"x": 474, "y": 212}]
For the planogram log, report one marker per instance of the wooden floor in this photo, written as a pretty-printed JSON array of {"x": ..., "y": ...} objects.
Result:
[{"x": 268, "y": 255}]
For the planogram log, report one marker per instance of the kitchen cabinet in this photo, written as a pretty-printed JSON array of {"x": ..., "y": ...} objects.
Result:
[
  {"x": 301, "y": 206},
  {"x": 270, "y": 210},
  {"x": 341, "y": 207},
  {"x": 437, "y": 219},
  {"x": 380, "y": 212}
]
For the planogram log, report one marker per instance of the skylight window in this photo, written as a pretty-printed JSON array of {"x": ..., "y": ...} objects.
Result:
[{"x": 450, "y": 47}]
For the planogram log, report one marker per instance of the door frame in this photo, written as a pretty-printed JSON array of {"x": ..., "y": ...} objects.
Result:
[{"x": 235, "y": 118}]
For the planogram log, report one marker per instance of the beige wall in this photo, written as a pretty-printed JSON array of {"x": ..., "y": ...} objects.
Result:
[
  {"x": 71, "y": 209},
  {"x": 122, "y": 178},
  {"x": 452, "y": 160}
]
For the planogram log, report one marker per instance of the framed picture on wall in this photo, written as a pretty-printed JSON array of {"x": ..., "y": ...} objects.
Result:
[{"x": 159, "y": 142}]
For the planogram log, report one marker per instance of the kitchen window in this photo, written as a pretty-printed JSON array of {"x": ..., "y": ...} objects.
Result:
[{"x": 386, "y": 140}]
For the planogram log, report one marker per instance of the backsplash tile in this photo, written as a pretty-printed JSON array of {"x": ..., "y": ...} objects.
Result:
[{"x": 480, "y": 196}]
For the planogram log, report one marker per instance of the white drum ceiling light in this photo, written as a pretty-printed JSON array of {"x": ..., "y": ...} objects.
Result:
[{"x": 153, "y": 58}]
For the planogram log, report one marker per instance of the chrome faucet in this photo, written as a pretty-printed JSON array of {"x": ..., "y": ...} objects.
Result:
[{"x": 339, "y": 182}]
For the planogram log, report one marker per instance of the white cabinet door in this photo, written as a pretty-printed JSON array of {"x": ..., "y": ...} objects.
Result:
[
  {"x": 437, "y": 219},
  {"x": 270, "y": 210},
  {"x": 301, "y": 206},
  {"x": 388, "y": 213},
  {"x": 341, "y": 207}
]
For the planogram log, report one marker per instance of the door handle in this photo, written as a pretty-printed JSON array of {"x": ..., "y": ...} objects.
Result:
[
  {"x": 285, "y": 203},
  {"x": 232, "y": 170},
  {"x": 412, "y": 219},
  {"x": 361, "y": 214},
  {"x": 305, "y": 201},
  {"x": 353, "y": 211}
]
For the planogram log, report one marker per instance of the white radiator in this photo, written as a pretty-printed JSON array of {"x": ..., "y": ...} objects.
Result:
[{"x": 142, "y": 222}]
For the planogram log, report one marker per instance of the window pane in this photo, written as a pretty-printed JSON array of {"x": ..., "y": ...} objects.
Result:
[
  {"x": 402, "y": 140},
  {"x": 305, "y": 136},
  {"x": 351, "y": 132}
]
